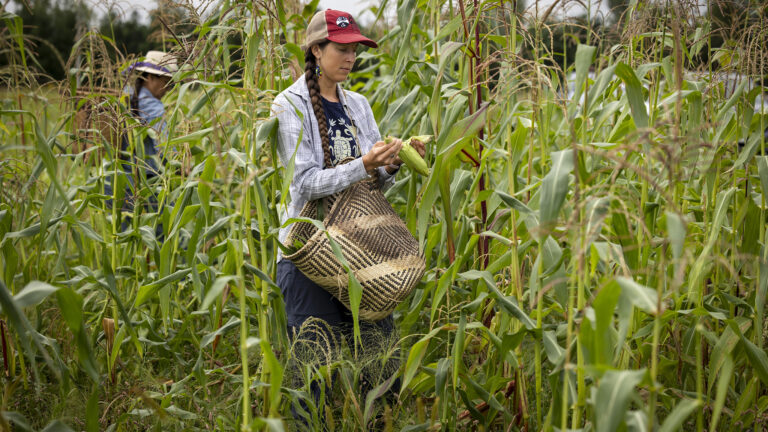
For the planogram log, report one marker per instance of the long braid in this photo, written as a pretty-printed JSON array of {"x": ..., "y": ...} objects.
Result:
[
  {"x": 317, "y": 104},
  {"x": 135, "y": 96}
]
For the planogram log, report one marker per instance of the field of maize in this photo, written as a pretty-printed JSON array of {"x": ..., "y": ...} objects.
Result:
[{"x": 595, "y": 235}]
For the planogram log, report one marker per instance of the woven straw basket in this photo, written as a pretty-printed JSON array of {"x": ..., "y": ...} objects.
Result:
[{"x": 377, "y": 245}]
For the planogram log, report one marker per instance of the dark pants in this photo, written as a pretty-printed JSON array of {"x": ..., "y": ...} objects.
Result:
[
  {"x": 148, "y": 168},
  {"x": 319, "y": 324}
]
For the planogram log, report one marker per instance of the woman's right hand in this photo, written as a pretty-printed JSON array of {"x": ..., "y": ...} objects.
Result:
[{"x": 382, "y": 154}]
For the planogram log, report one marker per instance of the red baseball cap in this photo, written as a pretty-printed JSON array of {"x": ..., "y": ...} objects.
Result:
[{"x": 335, "y": 26}]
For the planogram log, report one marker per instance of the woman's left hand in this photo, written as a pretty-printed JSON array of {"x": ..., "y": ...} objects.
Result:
[{"x": 419, "y": 146}]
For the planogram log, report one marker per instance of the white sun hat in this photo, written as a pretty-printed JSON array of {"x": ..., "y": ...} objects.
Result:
[{"x": 157, "y": 63}]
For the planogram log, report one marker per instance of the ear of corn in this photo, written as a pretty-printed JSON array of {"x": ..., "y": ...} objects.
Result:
[{"x": 411, "y": 157}]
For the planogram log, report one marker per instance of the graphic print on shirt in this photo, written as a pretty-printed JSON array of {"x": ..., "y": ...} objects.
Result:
[
  {"x": 340, "y": 131},
  {"x": 342, "y": 140}
]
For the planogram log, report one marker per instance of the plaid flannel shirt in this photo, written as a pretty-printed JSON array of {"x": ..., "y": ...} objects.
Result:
[{"x": 310, "y": 181}]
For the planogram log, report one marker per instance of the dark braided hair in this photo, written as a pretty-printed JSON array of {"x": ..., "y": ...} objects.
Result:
[
  {"x": 317, "y": 103},
  {"x": 140, "y": 80}
]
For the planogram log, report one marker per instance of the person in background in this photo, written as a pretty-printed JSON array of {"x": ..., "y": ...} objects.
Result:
[{"x": 151, "y": 84}]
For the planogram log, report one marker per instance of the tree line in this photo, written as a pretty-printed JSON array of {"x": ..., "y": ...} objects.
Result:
[{"x": 53, "y": 27}]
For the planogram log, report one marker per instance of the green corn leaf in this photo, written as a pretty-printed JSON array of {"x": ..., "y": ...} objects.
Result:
[
  {"x": 762, "y": 170},
  {"x": 612, "y": 400},
  {"x": 675, "y": 420},
  {"x": 268, "y": 424},
  {"x": 202, "y": 100},
  {"x": 639, "y": 295},
  {"x": 204, "y": 186},
  {"x": 445, "y": 31},
  {"x": 584, "y": 56},
  {"x": 604, "y": 305},
  {"x": 603, "y": 80},
  {"x": 726, "y": 374},
  {"x": 745, "y": 401},
  {"x": 34, "y": 293},
  {"x": 554, "y": 351},
  {"x": 209, "y": 338},
  {"x": 722, "y": 111},
  {"x": 398, "y": 108},
  {"x": 110, "y": 284},
  {"x": 216, "y": 290},
  {"x": 27, "y": 334},
  {"x": 57, "y": 426},
  {"x": 147, "y": 291},
  {"x": 17, "y": 421},
  {"x": 554, "y": 187},
  {"x": 634, "y": 94},
  {"x": 450, "y": 139},
  {"x": 43, "y": 147},
  {"x": 725, "y": 346},
  {"x": 507, "y": 303},
  {"x": 191, "y": 137},
  {"x": 637, "y": 421},
  {"x": 458, "y": 350},
  {"x": 15, "y": 24},
  {"x": 297, "y": 53},
  {"x": 48, "y": 207},
  {"x": 275, "y": 370},
  {"x": 675, "y": 233},
  {"x": 71, "y": 306},
  {"x": 757, "y": 358},
  {"x": 415, "y": 356},
  {"x": 434, "y": 108},
  {"x": 514, "y": 203},
  {"x": 190, "y": 212},
  {"x": 483, "y": 393},
  {"x": 597, "y": 210},
  {"x": 702, "y": 264},
  {"x": 441, "y": 377},
  {"x": 375, "y": 394},
  {"x": 92, "y": 411},
  {"x": 261, "y": 275},
  {"x": 148, "y": 237}
]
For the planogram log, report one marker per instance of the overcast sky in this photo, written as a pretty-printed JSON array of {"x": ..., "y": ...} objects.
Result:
[
  {"x": 359, "y": 8},
  {"x": 356, "y": 8}
]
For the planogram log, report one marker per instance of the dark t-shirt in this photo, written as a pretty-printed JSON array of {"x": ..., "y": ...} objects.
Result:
[{"x": 340, "y": 128}]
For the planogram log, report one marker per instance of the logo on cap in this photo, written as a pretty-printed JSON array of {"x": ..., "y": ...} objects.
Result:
[{"x": 342, "y": 21}]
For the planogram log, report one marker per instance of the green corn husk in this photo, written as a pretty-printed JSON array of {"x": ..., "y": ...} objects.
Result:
[{"x": 411, "y": 157}]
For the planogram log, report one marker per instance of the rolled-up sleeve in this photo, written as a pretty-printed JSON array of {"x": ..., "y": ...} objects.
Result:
[
  {"x": 386, "y": 180},
  {"x": 310, "y": 180}
]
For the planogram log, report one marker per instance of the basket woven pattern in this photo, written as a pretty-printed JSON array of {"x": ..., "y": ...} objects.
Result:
[{"x": 377, "y": 245}]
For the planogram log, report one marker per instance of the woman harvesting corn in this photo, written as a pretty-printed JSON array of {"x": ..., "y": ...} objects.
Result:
[
  {"x": 151, "y": 84},
  {"x": 334, "y": 124},
  {"x": 321, "y": 125}
]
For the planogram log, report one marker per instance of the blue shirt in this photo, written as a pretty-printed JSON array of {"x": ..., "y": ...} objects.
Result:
[
  {"x": 340, "y": 130},
  {"x": 152, "y": 111}
]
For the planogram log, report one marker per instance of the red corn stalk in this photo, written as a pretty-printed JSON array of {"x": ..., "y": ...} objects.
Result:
[
  {"x": 483, "y": 406},
  {"x": 474, "y": 62},
  {"x": 6, "y": 365},
  {"x": 108, "y": 324}
]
